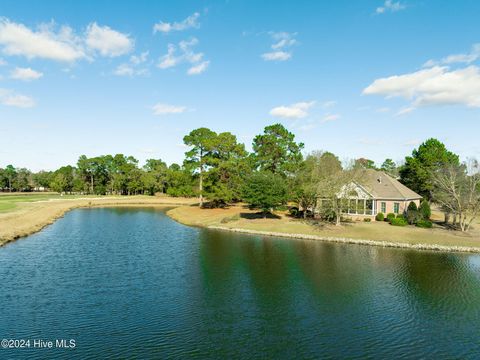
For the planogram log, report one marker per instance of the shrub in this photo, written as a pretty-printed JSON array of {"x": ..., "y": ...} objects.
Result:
[
  {"x": 380, "y": 217},
  {"x": 412, "y": 214},
  {"x": 294, "y": 211},
  {"x": 424, "y": 210},
  {"x": 390, "y": 217},
  {"x": 412, "y": 206},
  {"x": 400, "y": 216},
  {"x": 398, "y": 222},
  {"x": 328, "y": 215},
  {"x": 424, "y": 224},
  {"x": 367, "y": 219}
]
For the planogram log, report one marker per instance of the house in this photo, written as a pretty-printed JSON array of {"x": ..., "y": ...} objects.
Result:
[{"x": 375, "y": 192}]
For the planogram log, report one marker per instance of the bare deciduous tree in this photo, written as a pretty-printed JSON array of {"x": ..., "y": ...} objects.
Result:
[
  {"x": 333, "y": 187},
  {"x": 456, "y": 188}
]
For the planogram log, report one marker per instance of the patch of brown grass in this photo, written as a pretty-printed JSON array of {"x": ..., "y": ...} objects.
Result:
[{"x": 378, "y": 231}]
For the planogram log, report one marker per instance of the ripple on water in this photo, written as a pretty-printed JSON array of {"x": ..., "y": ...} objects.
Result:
[{"x": 131, "y": 283}]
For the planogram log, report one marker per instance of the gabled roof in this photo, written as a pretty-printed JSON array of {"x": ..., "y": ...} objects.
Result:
[{"x": 383, "y": 186}]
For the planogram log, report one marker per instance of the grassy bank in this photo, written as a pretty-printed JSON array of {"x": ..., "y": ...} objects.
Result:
[
  {"x": 238, "y": 218},
  {"x": 25, "y": 214}
]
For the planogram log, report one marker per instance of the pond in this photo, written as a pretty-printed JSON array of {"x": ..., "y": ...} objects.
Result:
[{"x": 132, "y": 283}]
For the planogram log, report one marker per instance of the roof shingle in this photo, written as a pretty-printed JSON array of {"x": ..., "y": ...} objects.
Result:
[{"x": 382, "y": 186}]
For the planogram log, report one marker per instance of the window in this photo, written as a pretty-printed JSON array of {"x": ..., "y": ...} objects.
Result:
[
  {"x": 396, "y": 208},
  {"x": 361, "y": 207},
  {"x": 369, "y": 207},
  {"x": 352, "y": 207},
  {"x": 383, "y": 207}
]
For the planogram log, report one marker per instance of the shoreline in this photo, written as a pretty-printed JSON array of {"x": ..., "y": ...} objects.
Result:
[
  {"x": 421, "y": 247},
  {"x": 32, "y": 217},
  {"x": 372, "y": 234}
]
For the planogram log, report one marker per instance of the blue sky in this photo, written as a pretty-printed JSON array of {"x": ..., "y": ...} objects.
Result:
[{"x": 358, "y": 78}]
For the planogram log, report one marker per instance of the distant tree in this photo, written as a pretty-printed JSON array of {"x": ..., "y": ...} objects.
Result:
[
  {"x": 417, "y": 171},
  {"x": 363, "y": 163},
  {"x": 276, "y": 150},
  {"x": 58, "y": 183},
  {"x": 265, "y": 191},
  {"x": 87, "y": 171},
  {"x": 201, "y": 142},
  {"x": 227, "y": 169},
  {"x": 62, "y": 179},
  {"x": 42, "y": 179},
  {"x": 10, "y": 172},
  {"x": 157, "y": 175},
  {"x": 179, "y": 181},
  {"x": 22, "y": 180},
  {"x": 390, "y": 167}
]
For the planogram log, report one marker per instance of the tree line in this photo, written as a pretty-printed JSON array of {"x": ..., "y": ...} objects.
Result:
[{"x": 218, "y": 169}]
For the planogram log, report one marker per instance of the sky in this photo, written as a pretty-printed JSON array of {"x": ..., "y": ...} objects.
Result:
[{"x": 368, "y": 79}]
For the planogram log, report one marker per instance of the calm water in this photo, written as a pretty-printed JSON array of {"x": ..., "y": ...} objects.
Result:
[{"x": 131, "y": 283}]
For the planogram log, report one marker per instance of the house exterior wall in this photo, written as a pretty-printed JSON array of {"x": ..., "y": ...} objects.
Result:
[{"x": 390, "y": 205}]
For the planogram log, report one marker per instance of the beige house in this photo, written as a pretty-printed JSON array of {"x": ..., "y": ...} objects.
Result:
[{"x": 376, "y": 192}]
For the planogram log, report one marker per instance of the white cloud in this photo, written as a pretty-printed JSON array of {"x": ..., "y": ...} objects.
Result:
[
  {"x": 133, "y": 67},
  {"x": 166, "y": 109},
  {"x": 10, "y": 98},
  {"x": 2, "y": 62},
  {"x": 472, "y": 56},
  {"x": 434, "y": 86},
  {"x": 107, "y": 41},
  {"x": 169, "y": 60},
  {"x": 45, "y": 43},
  {"x": 294, "y": 111},
  {"x": 283, "y": 41},
  {"x": 198, "y": 69},
  {"x": 124, "y": 70},
  {"x": 139, "y": 59},
  {"x": 183, "y": 53},
  {"x": 276, "y": 56},
  {"x": 382, "y": 110},
  {"x": 189, "y": 22},
  {"x": 330, "y": 117},
  {"x": 390, "y": 6},
  {"x": 405, "y": 110},
  {"x": 25, "y": 74}
]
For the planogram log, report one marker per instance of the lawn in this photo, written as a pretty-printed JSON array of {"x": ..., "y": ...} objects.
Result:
[
  {"x": 9, "y": 201},
  {"x": 242, "y": 218}
]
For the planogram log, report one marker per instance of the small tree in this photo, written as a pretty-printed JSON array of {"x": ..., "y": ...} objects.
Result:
[
  {"x": 424, "y": 210},
  {"x": 412, "y": 213},
  {"x": 265, "y": 191}
]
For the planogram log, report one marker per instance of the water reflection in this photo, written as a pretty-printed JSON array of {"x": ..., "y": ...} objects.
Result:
[{"x": 158, "y": 289}]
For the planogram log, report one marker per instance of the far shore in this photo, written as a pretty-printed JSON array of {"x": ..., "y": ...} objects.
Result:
[
  {"x": 30, "y": 217},
  {"x": 241, "y": 219}
]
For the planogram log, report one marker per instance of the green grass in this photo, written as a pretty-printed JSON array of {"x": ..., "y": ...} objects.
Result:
[{"x": 9, "y": 201}]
